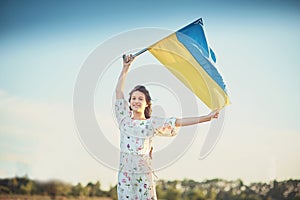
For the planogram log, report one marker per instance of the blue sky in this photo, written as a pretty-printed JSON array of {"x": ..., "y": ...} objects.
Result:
[{"x": 43, "y": 46}]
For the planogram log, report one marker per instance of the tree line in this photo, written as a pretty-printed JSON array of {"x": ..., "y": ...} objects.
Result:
[
  {"x": 220, "y": 189},
  {"x": 53, "y": 188},
  {"x": 187, "y": 189}
]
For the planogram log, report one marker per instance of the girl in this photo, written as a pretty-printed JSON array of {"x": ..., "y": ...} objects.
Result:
[{"x": 137, "y": 127}]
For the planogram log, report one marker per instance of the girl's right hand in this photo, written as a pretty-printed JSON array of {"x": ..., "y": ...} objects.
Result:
[{"x": 127, "y": 60}]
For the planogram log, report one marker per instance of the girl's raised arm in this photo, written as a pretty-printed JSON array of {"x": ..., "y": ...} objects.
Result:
[{"x": 127, "y": 60}]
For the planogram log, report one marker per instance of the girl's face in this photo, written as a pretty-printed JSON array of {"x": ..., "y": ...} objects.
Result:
[{"x": 138, "y": 101}]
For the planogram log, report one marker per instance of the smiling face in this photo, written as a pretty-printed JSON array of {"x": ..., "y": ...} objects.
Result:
[{"x": 138, "y": 101}]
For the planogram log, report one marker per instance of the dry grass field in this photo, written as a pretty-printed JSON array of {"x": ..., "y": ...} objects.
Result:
[{"x": 38, "y": 197}]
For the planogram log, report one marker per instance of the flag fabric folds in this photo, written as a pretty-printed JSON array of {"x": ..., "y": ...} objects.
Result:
[{"x": 187, "y": 55}]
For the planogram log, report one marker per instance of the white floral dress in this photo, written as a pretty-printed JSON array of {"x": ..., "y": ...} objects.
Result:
[{"x": 135, "y": 177}]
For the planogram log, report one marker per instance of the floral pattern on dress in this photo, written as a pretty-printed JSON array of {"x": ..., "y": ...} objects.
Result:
[{"x": 135, "y": 177}]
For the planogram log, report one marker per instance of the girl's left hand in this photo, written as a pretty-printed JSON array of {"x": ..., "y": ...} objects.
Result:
[{"x": 214, "y": 114}]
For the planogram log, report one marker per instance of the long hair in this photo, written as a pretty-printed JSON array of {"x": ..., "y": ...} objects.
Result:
[{"x": 141, "y": 88}]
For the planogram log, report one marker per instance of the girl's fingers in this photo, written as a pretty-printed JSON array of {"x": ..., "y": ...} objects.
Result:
[{"x": 127, "y": 58}]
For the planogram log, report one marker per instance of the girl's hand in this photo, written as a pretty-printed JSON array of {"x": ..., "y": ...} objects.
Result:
[
  {"x": 127, "y": 60},
  {"x": 214, "y": 114}
]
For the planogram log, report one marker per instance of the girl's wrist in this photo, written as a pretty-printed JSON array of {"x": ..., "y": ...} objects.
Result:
[{"x": 125, "y": 69}]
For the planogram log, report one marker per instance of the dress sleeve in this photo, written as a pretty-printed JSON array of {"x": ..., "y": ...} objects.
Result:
[
  {"x": 164, "y": 126},
  {"x": 121, "y": 110}
]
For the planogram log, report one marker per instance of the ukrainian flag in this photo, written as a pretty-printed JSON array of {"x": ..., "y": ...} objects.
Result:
[{"x": 187, "y": 55}]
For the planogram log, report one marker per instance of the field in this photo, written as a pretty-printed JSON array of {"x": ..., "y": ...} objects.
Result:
[{"x": 38, "y": 197}]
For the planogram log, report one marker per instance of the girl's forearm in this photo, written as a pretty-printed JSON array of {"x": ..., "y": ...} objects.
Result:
[
  {"x": 121, "y": 84},
  {"x": 127, "y": 60},
  {"x": 192, "y": 120}
]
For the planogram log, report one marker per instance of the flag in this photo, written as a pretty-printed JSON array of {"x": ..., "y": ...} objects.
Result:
[{"x": 186, "y": 53}]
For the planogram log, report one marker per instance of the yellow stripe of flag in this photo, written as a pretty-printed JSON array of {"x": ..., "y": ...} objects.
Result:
[{"x": 178, "y": 60}]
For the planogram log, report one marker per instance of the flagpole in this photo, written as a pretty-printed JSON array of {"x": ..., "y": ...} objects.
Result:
[{"x": 137, "y": 53}]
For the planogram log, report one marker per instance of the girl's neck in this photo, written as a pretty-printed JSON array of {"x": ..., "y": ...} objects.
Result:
[{"x": 138, "y": 116}]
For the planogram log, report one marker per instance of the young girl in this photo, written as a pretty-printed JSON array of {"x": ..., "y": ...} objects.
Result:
[{"x": 137, "y": 127}]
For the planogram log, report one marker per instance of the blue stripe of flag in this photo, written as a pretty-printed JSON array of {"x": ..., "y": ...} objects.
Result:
[{"x": 193, "y": 38}]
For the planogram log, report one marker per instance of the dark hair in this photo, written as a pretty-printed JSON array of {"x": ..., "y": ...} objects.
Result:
[{"x": 141, "y": 88}]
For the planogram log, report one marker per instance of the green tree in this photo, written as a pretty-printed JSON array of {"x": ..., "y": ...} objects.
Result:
[
  {"x": 13, "y": 185},
  {"x": 172, "y": 194},
  {"x": 195, "y": 194},
  {"x": 112, "y": 193},
  {"x": 4, "y": 190},
  {"x": 94, "y": 189},
  {"x": 57, "y": 188},
  {"x": 98, "y": 191},
  {"x": 27, "y": 187},
  {"x": 77, "y": 190}
]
